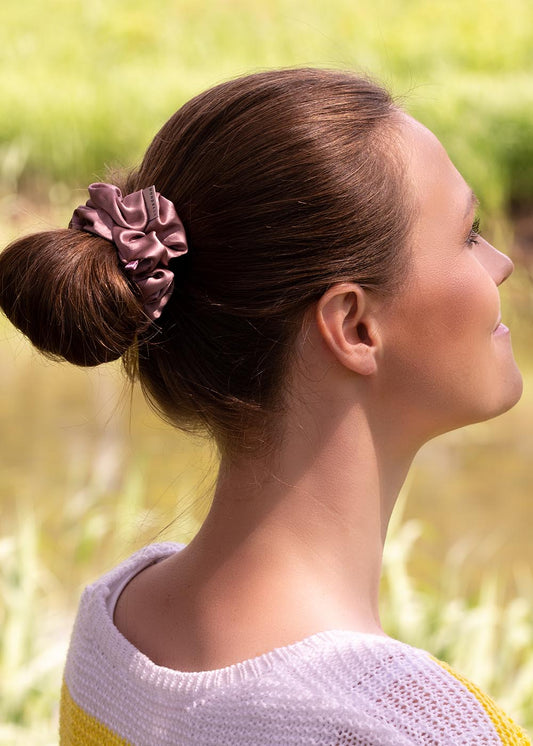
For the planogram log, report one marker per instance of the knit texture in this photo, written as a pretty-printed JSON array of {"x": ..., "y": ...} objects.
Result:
[{"x": 335, "y": 688}]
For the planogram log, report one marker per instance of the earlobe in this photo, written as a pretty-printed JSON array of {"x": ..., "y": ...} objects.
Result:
[{"x": 345, "y": 323}]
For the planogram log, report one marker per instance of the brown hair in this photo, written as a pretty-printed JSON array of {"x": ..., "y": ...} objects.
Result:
[{"x": 286, "y": 182}]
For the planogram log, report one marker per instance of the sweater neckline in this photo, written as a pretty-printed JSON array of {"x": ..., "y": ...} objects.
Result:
[{"x": 122, "y": 654}]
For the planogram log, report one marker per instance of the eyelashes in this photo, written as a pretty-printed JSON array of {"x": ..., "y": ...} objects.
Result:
[{"x": 474, "y": 234}]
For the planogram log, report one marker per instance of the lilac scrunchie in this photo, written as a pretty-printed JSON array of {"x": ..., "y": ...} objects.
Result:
[{"x": 147, "y": 232}]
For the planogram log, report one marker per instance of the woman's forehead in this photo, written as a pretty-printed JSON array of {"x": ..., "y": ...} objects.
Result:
[{"x": 437, "y": 184}]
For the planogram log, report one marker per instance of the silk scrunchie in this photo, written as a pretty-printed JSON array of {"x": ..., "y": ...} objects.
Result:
[{"x": 147, "y": 233}]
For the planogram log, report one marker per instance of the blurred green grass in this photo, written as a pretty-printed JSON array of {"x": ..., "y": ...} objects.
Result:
[
  {"x": 88, "y": 84},
  {"x": 89, "y": 474}
]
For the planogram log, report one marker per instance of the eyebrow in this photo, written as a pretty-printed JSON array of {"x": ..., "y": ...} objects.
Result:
[{"x": 472, "y": 202}]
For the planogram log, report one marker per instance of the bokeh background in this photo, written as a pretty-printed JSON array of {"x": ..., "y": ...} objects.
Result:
[{"x": 89, "y": 474}]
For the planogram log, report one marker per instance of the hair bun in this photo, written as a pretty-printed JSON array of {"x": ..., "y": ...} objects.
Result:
[{"x": 65, "y": 291}]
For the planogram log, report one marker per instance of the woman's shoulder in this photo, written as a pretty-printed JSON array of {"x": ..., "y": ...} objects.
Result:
[
  {"x": 343, "y": 683},
  {"x": 136, "y": 562},
  {"x": 99, "y": 598}
]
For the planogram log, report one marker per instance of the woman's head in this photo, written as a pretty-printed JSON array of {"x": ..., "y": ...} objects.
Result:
[{"x": 286, "y": 183}]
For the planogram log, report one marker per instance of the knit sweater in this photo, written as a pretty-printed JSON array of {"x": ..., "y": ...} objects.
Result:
[{"x": 334, "y": 688}]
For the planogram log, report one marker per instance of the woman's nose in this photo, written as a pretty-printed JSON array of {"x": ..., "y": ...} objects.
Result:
[{"x": 499, "y": 265}]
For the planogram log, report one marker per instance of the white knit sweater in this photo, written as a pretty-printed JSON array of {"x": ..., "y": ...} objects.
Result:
[{"x": 335, "y": 688}]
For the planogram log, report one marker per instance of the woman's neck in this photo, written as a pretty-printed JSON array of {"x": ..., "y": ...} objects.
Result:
[
  {"x": 292, "y": 546},
  {"x": 305, "y": 530}
]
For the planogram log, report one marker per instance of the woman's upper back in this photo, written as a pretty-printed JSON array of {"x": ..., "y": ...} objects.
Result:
[{"x": 335, "y": 687}]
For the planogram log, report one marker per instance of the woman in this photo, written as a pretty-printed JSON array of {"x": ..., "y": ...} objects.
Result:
[{"x": 296, "y": 269}]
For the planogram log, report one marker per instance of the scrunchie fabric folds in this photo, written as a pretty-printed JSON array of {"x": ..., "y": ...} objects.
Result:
[{"x": 147, "y": 233}]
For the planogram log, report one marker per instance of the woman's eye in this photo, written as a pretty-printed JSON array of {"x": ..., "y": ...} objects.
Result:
[{"x": 473, "y": 236}]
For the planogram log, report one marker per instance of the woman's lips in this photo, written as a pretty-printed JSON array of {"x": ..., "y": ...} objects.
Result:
[{"x": 500, "y": 329}]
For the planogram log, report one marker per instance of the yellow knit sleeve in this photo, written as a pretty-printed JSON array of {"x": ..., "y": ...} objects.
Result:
[
  {"x": 509, "y": 732},
  {"x": 77, "y": 728}
]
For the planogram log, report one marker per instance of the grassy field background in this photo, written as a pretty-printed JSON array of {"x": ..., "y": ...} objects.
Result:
[{"x": 89, "y": 474}]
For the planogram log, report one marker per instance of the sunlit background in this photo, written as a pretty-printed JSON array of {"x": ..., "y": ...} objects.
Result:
[{"x": 89, "y": 474}]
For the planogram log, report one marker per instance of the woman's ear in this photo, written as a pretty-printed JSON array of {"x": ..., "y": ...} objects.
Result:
[{"x": 346, "y": 325}]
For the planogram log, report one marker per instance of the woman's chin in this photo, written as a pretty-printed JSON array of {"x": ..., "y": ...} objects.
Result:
[
  {"x": 516, "y": 386},
  {"x": 506, "y": 398},
  {"x": 498, "y": 403}
]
